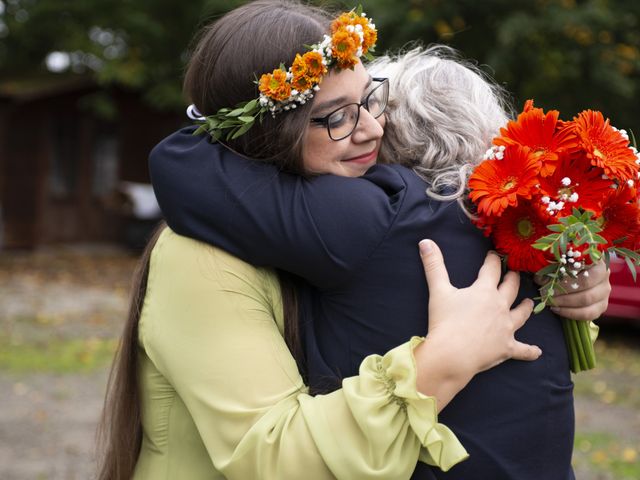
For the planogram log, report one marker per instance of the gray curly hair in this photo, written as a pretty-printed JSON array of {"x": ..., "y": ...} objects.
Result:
[{"x": 443, "y": 113}]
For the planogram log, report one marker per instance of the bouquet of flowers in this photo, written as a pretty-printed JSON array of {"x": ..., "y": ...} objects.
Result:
[{"x": 556, "y": 196}]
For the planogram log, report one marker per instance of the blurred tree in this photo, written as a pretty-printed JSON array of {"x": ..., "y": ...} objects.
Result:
[
  {"x": 567, "y": 54},
  {"x": 138, "y": 44}
]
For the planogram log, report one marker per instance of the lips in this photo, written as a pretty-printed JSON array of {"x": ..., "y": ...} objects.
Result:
[{"x": 364, "y": 159}]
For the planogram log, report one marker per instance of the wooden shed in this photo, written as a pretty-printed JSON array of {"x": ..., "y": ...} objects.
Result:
[{"x": 60, "y": 163}]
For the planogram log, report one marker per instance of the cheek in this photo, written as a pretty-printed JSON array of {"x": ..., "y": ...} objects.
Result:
[{"x": 319, "y": 152}]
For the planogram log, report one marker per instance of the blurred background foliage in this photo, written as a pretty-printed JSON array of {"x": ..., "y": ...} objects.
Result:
[{"x": 567, "y": 54}]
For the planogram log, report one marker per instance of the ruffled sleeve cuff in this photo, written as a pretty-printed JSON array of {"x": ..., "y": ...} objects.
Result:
[{"x": 397, "y": 369}]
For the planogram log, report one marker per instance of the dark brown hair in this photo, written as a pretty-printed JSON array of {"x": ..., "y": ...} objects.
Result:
[
  {"x": 120, "y": 429},
  {"x": 226, "y": 63},
  {"x": 228, "y": 56}
]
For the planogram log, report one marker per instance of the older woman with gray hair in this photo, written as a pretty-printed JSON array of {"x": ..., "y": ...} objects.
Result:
[
  {"x": 443, "y": 113},
  {"x": 353, "y": 241}
]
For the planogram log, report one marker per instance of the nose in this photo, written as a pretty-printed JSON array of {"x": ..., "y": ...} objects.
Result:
[{"x": 368, "y": 128}]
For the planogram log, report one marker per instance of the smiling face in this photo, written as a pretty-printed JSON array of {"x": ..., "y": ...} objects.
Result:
[{"x": 355, "y": 154}]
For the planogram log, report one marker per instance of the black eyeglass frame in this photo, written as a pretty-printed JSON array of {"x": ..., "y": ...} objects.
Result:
[{"x": 365, "y": 103}]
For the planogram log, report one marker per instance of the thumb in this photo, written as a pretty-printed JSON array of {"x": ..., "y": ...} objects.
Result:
[{"x": 434, "y": 268}]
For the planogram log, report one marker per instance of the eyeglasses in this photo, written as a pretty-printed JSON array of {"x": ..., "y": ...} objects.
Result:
[{"x": 343, "y": 121}]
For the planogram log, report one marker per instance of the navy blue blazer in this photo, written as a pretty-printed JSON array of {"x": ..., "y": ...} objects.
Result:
[{"x": 355, "y": 241}]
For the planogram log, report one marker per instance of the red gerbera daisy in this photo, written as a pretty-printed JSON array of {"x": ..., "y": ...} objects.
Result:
[
  {"x": 621, "y": 218},
  {"x": 605, "y": 147},
  {"x": 497, "y": 184},
  {"x": 574, "y": 184},
  {"x": 541, "y": 133},
  {"x": 517, "y": 230}
]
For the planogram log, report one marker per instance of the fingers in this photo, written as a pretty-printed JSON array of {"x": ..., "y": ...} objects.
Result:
[
  {"x": 434, "y": 267},
  {"x": 596, "y": 275},
  {"x": 584, "y": 298},
  {"x": 509, "y": 287},
  {"x": 586, "y": 304},
  {"x": 591, "y": 312},
  {"x": 522, "y": 312},
  {"x": 490, "y": 271},
  {"x": 522, "y": 351}
]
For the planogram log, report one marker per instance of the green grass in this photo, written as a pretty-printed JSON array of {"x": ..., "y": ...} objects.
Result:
[
  {"x": 56, "y": 355},
  {"x": 616, "y": 378},
  {"x": 605, "y": 453}
]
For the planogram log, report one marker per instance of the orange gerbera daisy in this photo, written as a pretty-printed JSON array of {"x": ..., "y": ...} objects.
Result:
[
  {"x": 275, "y": 86},
  {"x": 605, "y": 147},
  {"x": 497, "y": 184},
  {"x": 517, "y": 230},
  {"x": 575, "y": 183},
  {"x": 540, "y": 132},
  {"x": 345, "y": 46},
  {"x": 621, "y": 218}
]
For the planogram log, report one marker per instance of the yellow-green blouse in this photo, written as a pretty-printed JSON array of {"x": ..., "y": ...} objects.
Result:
[{"x": 222, "y": 396}]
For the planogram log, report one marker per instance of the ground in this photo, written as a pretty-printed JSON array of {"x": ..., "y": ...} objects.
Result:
[{"x": 61, "y": 311}]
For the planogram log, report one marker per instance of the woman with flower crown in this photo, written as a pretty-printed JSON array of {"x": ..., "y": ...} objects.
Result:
[{"x": 220, "y": 394}]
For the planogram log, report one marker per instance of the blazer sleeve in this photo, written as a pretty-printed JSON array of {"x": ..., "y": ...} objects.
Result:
[
  {"x": 320, "y": 228},
  {"x": 212, "y": 325}
]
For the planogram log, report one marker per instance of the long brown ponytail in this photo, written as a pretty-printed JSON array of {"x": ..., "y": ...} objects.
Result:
[{"x": 120, "y": 429}]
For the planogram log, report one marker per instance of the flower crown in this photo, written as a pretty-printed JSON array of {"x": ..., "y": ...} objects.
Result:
[{"x": 353, "y": 35}]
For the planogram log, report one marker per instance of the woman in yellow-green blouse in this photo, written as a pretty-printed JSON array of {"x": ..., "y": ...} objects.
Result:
[{"x": 221, "y": 396}]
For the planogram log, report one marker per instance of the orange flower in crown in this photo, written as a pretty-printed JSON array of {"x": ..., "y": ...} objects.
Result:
[
  {"x": 275, "y": 85},
  {"x": 345, "y": 46},
  {"x": 361, "y": 25},
  {"x": 353, "y": 36},
  {"x": 307, "y": 70},
  {"x": 315, "y": 65}
]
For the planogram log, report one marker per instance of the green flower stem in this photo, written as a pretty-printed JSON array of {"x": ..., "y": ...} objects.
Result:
[
  {"x": 571, "y": 348},
  {"x": 575, "y": 338},
  {"x": 585, "y": 340},
  {"x": 581, "y": 354}
]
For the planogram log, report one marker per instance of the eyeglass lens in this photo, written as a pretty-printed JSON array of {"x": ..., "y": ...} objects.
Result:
[{"x": 344, "y": 120}]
